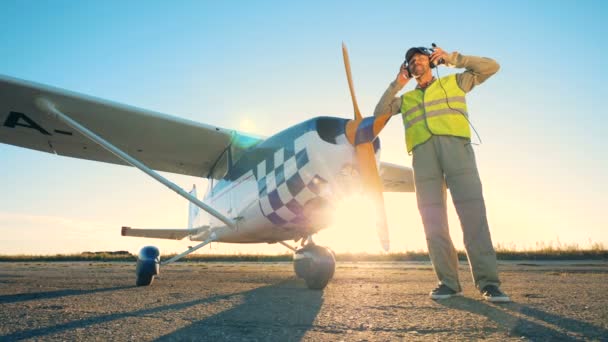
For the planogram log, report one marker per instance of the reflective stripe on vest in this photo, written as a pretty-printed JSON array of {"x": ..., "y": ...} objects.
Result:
[{"x": 426, "y": 112}]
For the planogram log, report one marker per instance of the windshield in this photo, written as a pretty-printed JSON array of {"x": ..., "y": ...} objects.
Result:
[{"x": 220, "y": 168}]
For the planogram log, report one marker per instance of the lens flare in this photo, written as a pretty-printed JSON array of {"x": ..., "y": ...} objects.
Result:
[{"x": 353, "y": 227}]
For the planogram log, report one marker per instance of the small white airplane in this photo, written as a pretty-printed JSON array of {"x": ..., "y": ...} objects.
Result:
[{"x": 269, "y": 190}]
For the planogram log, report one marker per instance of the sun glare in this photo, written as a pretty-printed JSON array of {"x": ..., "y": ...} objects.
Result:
[
  {"x": 247, "y": 125},
  {"x": 354, "y": 227}
]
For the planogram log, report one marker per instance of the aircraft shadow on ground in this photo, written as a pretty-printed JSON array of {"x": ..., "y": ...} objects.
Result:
[
  {"x": 503, "y": 315},
  {"x": 24, "y": 297},
  {"x": 282, "y": 312},
  {"x": 259, "y": 309}
]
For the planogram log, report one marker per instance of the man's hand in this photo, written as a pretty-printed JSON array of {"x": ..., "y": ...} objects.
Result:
[
  {"x": 438, "y": 56},
  {"x": 403, "y": 76}
]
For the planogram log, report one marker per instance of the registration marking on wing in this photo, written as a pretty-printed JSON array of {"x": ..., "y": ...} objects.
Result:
[{"x": 15, "y": 119}]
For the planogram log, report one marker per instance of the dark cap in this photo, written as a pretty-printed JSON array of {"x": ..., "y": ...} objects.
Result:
[{"x": 410, "y": 53}]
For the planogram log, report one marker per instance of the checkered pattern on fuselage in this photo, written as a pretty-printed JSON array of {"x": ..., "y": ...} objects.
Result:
[{"x": 286, "y": 182}]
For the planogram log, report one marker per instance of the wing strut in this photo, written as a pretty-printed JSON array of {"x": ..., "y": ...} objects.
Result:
[
  {"x": 47, "y": 106},
  {"x": 190, "y": 250}
]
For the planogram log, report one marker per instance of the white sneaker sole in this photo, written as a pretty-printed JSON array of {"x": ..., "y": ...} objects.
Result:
[
  {"x": 504, "y": 299},
  {"x": 446, "y": 296}
]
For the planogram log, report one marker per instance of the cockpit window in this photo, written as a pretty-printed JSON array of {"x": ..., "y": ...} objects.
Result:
[{"x": 221, "y": 167}]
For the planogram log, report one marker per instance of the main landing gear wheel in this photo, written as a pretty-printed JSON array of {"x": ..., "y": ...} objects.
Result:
[
  {"x": 315, "y": 264},
  {"x": 148, "y": 265}
]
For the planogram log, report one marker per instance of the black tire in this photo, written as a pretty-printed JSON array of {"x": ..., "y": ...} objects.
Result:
[
  {"x": 145, "y": 271},
  {"x": 144, "y": 279},
  {"x": 302, "y": 267}
]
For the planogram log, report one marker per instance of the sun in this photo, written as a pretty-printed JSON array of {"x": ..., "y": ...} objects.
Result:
[
  {"x": 353, "y": 229},
  {"x": 247, "y": 125}
]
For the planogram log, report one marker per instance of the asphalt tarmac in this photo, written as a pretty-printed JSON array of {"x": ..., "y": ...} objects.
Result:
[{"x": 265, "y": 302}]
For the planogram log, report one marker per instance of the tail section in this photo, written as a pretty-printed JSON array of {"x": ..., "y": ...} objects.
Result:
[{"x": 193, "y": 211}]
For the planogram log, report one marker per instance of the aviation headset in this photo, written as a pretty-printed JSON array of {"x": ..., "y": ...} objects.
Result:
[{"x": 421, "y": 49}]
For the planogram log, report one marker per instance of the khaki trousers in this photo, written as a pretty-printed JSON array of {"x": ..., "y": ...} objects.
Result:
[{"x": 447, "y": 159}]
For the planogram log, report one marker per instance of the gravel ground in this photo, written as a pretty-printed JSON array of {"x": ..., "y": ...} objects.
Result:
[{"x": 265, "y": 302}]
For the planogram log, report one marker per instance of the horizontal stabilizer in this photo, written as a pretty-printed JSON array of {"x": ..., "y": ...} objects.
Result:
[
  {"x": 172, "y": 234},
  {"x": 396, "y": 178}
]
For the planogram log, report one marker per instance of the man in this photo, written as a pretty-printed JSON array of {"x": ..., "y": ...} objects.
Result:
[{"x": 438, "y": 135}]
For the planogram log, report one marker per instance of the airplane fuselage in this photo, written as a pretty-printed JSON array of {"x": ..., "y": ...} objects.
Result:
[{"x": 286, "y": 186}]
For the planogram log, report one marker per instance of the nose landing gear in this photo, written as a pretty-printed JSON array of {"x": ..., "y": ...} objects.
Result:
[{"x": 315, "y": 264}]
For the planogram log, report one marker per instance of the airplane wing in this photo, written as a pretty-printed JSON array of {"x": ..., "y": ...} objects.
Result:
[
  {"x": 160, "y": 141},
  {"x": 172, "y": 234},
  {"x": 396, "y": 178}
]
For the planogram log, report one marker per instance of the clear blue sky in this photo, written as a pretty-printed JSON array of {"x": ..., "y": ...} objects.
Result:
[{"x": 264, "y": 66}]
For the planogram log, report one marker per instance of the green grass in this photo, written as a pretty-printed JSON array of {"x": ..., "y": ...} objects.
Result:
[
  {"x": 543, "y": 251},
  {"x": 553, "y": 251}
]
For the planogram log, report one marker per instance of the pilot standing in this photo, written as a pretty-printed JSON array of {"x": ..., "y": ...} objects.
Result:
[{"x": 437, "y": 133}]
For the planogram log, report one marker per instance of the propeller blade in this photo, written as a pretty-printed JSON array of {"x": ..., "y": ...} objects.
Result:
[
  {"x": 373, "y": 188},
  {"x": 350, "y": 82},
  {"x": 361, "y": 133}
]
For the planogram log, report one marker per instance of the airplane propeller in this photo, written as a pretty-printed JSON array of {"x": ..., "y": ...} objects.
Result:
[{"x": 361, "y": 134}]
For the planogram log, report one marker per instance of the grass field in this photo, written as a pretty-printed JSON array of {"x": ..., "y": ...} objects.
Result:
[{"x": 596, "y": 251}]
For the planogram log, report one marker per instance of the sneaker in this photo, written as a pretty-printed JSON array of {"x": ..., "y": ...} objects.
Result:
[
  {"x": 492, "y": 293},
  {"x": 443, "y": 292}
]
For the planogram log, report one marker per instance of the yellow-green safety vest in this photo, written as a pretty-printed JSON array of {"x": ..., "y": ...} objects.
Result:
[{"x": 434, "y": 111}]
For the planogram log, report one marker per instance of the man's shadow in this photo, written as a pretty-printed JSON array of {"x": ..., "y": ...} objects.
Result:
[
  {"x": 281, "y": 312},
  {"x": 530, "y": 327}
]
